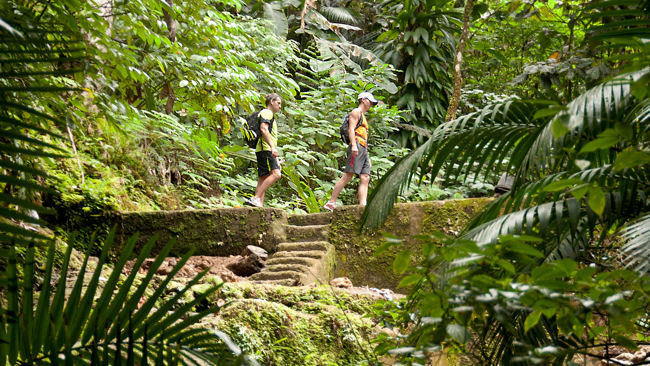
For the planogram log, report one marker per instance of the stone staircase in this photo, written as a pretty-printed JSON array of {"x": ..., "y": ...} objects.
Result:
[{"x": 305, "y": 258}]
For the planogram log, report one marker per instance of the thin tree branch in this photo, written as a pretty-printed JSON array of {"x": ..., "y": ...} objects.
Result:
[{"x": 76, "y": 155}]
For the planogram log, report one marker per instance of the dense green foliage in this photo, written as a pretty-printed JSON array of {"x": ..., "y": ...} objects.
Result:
[
  {"x": 548, "y": 57},
  {"x": 420, "y": 43},
  {"x": 164, "y": 88},
  {"x": 497, "y": 304},
  {"x": 157, "y": 123}
]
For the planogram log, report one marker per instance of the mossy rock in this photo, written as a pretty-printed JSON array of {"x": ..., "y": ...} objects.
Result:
[
  {"x": 280, "y": 325},
  {"x": 355, "y": 251}
]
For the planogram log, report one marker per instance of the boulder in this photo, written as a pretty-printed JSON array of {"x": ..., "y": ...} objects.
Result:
[
  {"x": 256, "y": 252},
  {"x": 251, "y": 262},
  {"x": 343, "y": 282}
]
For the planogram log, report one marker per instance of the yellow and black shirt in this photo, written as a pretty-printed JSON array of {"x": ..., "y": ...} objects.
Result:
[{"x": 266, "y": 116}]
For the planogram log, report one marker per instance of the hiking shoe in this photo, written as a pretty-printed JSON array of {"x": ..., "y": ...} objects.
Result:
[
  {"x": 330, "y": 206},
  {"x": 253, "y": 201}
]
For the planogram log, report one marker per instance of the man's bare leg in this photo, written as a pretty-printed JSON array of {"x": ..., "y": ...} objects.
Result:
[
  {"x": 364, "y": 180},
  {"x": 264, "y": 182},
  {"x": 340, "y": 184}
]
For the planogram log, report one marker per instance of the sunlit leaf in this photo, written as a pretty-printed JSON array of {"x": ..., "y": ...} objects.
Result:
[
  {"x": 600, "y": 143},
  {"x": 562, "y": 185},
  {"x": 458, "y": 332},
  {"x": 532, "y": 319},
  {"x": 631, "y": 159},
  {"x": 596, "y": 200},
  {"x": 401, "y": 262}
]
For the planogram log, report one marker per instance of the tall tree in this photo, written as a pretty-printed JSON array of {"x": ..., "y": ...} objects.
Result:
[
  {"x": 173, "y": 28},
  {"x": 458, "y": 62}
]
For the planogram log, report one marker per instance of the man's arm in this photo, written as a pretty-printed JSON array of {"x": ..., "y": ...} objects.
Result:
[
  {"x": 266, "y": 136},
  {"x": 352, "y": 122}
]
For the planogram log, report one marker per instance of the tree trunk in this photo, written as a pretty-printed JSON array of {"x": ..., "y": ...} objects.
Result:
[
  {"x": 458, "y": 62},
  {"x": 571, "y": 36},
  {"x": 172, "y": 27}
]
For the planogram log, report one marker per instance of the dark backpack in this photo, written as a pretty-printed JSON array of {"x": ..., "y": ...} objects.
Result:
[
  {"x": 343, "y": 130},
  {"x": 251, "y": 129}
]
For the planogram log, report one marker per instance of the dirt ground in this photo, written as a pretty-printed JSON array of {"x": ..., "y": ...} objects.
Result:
[{"x": 218, "y": 266}]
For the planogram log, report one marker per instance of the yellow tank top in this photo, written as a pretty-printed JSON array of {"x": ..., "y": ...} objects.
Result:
[{"x": 361, "y": 132}]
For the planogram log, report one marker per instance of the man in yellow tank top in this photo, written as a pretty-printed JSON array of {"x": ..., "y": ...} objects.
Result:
[{"x": 358, "y": 161}]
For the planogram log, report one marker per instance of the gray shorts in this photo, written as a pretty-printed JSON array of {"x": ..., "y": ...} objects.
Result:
[{"x": 359, "y": 164}]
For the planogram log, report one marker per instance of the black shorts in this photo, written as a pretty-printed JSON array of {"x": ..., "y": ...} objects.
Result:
[{"x": 266, "y": 163}]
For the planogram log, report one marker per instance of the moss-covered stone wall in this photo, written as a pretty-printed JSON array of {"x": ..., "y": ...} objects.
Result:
[
  {"x": 218, "y": 232},
  {"x": 355, "y": 257}
]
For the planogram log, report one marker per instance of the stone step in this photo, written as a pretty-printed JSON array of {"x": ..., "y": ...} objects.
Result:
[
  {"x": 288, "y": 282},
  {"x": 299, "y": 263},
  {"x": 315, "y": 254},
  {"x": 283, "y": 267},
  {"x": 303, "y": 246},
  {"x": 306, "y": 233},
  {"x": 292, "y": 260},
  {"x": 284, "y": 275},
  {"x": 323, "y": 218}
]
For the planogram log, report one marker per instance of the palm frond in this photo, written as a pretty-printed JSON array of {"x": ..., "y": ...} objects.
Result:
[
  {"x": 596, "y": 109},
  {"x": 559, "y": 217},
  {"x": 637, "y": 245},
  {"x": 580, "y": 173},
  {"x": 72, "y": 327},
  {"x": 30, "y": 60},
  {"x": 643, "y": 116},
  {"x": 390, "y": 185},
  {"x": 619, "y": 26},
  {"x": 483, "y": 140},
  {"x": 6, "y": 26},
  {"x": 501, "y": 125},
  {"x": 340, "y": 15}
]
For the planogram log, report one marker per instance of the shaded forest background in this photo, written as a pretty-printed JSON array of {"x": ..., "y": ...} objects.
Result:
[
  {"x": 160, "y": 91},
  {"x": 136, "y": 105}
]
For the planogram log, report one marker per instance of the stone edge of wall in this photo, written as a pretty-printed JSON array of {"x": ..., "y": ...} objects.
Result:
[{"x": 218, "y": 232}]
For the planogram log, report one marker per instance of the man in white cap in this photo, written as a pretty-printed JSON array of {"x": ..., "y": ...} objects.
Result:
[{"x": 358, "y": 161}]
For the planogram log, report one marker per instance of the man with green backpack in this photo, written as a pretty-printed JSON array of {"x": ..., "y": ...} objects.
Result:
[
  {"x": 268, "y": 166},
  {"x": 354, "y": 132}
]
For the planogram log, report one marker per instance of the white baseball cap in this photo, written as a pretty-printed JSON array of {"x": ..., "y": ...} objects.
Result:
[{"x": 368, "y": 96}]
